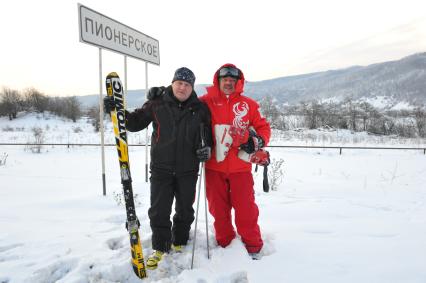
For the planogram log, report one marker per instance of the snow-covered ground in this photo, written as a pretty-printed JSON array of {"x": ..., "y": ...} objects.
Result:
[{"x": 355, "y": 217}]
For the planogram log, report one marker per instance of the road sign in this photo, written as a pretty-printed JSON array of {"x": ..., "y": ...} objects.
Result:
[{"x": 102, "y": 31}]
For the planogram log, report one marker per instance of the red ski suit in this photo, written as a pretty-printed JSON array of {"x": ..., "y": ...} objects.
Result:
[{"x": 229, "y": 181}]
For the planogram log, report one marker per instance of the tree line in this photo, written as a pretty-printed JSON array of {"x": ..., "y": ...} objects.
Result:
[
  {"x": 32, "y": 100},
  {"x": 348, "y": 114}
]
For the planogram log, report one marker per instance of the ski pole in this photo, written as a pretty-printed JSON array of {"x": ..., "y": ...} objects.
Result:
[
  {"x": 202, "y": 171},
  {"x": 196, "y": 216},
  {"x": 203, "y": 168},
  {"x": 205, "y": 210}
]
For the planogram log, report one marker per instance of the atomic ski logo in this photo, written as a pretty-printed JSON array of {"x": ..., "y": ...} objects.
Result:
[{"x": 240, "y": 110}]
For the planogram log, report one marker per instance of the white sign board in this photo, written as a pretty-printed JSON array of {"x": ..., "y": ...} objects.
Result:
[{"x": 102, "y": 31}]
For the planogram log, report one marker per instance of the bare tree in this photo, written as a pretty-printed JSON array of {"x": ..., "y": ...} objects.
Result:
[
  {"x": 10, "y": 102},
  {"x": 366, "y": 111},
  {"x": 36, "y": 100},
  {"x": 73, "y": 108},
  {"x": 270, "y": 110},
  {"x": 93, "y": 114},
  {"x": 352, "y": 112},
  {"x": 56, "y": 106},
  {"x": 335, "y": 116},
  {"x": 312, "y": 112},
  {"x": 420, "y": 118}
]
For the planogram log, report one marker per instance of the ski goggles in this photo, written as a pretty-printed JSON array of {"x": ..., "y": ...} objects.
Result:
[{"x": 229, "y": 72}]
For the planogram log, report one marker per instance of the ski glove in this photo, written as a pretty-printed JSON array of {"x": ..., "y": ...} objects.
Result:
[
  {"x": 155, "y": 92},
  {"x": 204, "y": 153},
  {"x": 239, "y": 135},
  {"x": 253, "y": 144},
  {"x": 109, "y": 104}
]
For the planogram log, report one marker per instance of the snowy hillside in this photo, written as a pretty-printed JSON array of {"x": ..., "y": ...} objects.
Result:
[
  {"x": 398, "y": 81},
  {"x": 355, "y": 217},
  {"x": 394, "y": 85}
]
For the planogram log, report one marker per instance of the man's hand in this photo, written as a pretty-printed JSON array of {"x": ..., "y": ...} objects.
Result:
[
  {"x": 253, "y": 144},
  {"x": 155, "y": 92},
  {"x": 109, "y": 104},
  {"x": 239, "y": 135},
  {"x": 204, "y": 153}
]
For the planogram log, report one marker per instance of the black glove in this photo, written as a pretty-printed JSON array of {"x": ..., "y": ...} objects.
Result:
[
  {"x": 109, "y": 104},
  {"x": 253, "y": 144},
  {"x": 155, "y": 92},
  {"x": 204, "y": 153}
]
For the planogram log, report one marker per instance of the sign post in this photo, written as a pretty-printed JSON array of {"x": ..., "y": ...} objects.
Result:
[{"x": 106, "y": 33}]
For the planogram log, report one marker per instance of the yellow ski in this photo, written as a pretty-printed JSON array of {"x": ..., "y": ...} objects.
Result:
[{"x": 114, "y": 88}]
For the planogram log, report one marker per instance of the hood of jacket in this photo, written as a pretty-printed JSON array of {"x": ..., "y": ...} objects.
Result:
[{"x": 215, "y": 90}]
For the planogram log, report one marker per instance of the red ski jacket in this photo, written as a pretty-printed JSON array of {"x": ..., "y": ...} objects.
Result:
[{"x": 236, "y": 111}]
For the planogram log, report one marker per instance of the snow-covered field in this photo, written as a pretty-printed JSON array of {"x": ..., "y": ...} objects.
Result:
[
  {"x": 61, "y": 130},
  {"x": 355, "y": 217}
]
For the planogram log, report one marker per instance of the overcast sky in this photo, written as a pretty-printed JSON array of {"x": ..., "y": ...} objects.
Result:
[{"x": 267, "y": 39}]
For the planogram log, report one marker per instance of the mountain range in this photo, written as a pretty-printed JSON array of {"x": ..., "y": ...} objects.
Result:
[{"x": 392, "y": 83}]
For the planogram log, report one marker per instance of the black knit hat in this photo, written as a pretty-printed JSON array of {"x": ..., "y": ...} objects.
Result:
[{"x": 184, "y": 74}]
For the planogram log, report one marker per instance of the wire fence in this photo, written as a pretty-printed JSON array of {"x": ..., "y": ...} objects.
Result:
[{"x": 340, "y": 148}]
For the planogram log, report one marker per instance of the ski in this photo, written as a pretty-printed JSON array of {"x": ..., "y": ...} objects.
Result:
[{"x": 114, "y": 88}]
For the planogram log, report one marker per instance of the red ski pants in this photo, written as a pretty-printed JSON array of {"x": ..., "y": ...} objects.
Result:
[{"x": 234, "y": 190}]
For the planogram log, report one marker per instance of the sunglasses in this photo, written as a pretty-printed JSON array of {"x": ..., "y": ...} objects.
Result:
[{"x": 229, "y": 72}]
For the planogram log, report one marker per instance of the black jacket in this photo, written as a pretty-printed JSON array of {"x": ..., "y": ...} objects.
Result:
[{"x": 176, "y": 131}]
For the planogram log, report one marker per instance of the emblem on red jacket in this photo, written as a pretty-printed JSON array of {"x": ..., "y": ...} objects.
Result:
[{"x": 240, "y": 110}]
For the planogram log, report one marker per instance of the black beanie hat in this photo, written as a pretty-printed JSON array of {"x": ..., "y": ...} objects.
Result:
[{"x": 184, "y": 74}]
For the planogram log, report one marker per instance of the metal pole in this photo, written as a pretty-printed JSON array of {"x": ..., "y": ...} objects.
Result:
[
  {"x": 205, "y": 210},
  {"x": 146, "y": 132},
  {"x": 101, "y": 121},
  {"x": 125, "y": 82},
  {"x": 196, "y": 215}
]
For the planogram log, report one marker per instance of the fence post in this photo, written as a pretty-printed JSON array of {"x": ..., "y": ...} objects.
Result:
[{"x": 340, "y": 151}]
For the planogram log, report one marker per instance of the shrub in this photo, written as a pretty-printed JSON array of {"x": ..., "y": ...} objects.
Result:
[
  {"x": 38, "y": 139},
  {"x": 119, "y": 198},
  {"x": 275, "y": 173},
  {"x": 3, "y": 159}
]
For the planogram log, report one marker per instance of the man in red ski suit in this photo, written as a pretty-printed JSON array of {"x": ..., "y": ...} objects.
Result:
[{"x": 237, "y": 126}]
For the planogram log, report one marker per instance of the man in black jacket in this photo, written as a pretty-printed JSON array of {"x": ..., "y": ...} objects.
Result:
[{"x": 177, "y": 118}]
